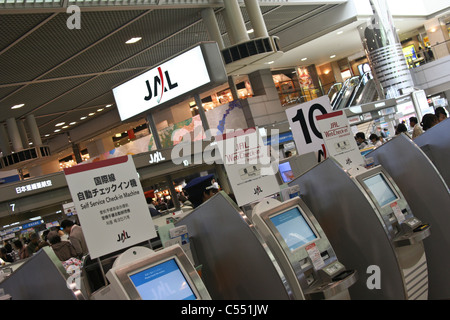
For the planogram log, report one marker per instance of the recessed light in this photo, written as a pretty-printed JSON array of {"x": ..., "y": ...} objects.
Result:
[
  {"x": 340, "y": 32},
  {"x": 30, "y": 143},
  {"x": 304, "y": 59},
  {"x": 17, "y": 106},
  {"x": 333, "y": 56},
  {"x": 133, "y": 40},
  {"x": 101, "y": 109},
  {"x": 108, "y": 105},
  {"x": 60, "y": 124},
  {"x": 72, "y": 123},
  {"x": 82, "y": 118},
  {"x": 250, "y": 31},
  {"x": 91, "y": 114},
  {"x": 57, "y": 130},
  {"x": 47, "y": 135},
  {"x": 270, "y": 62},
  {"x": 65, "y": 127}
]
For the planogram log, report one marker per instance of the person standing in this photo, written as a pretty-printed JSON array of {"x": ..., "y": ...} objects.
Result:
[
  {"x": 63, "y": 249},
  {"x": 417, "y": 128},
  {"x": 76, "y": 237}
]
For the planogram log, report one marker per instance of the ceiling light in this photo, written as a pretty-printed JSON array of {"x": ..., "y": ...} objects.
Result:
[
  {"x": 108, "y": 105},
  {"x": 333, "y": 56},
  {"x": 433, "y": 29},
  {"x": 304, "y": 59},
  {"x": 340, "y": 32},
  {"x": 60, "y": 124},
  {"x": 65, "y": 127},
  {"x": 17, "y": 106},
  {"x": 250, "y": 31},
  {"x": 82, "y": 118},
  {"x": 57, "y": 130},
  {"x": 133, "y": 40},
  {"x": 91, "y": 114},
  {"x": 101, "y": 109},
  {"x": 47, "y": 135},
  {"x": 72, "y": 123},
  {"x": 270, "y": 62}
]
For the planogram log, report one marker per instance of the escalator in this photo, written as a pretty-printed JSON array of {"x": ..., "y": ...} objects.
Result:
[{"x": 355, "y": 91}]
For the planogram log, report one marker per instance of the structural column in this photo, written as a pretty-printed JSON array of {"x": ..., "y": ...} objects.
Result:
[
  {"x": 34, "y": 130},
  {"x": 209, "y": 18},
  {"x": 4, "y": 140},
  {"x": 235, "y": 23},
  {"x": 384, "y": 52},
  {"x": 256, "y": 18},
  {"x": 14, "y": 134}
]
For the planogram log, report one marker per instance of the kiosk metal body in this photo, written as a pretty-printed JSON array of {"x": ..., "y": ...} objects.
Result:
[
  {"x": 429, "y": 199},
  {"x": 294, "y": 236},
  {"x": 366, "y": 234}
]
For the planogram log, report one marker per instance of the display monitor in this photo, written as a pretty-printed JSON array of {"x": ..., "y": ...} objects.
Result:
[
  {"x": 286, "y": 172},
  {"x": 380, "y": 189},
  {"x": 294, "y": 228},
  {"x": 164, "y": 281}
]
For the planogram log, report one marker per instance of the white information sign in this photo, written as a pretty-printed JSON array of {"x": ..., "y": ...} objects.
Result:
[
  {"x": 171, "y": 79},
  {"x": 110, "y": 204},
  {"x": 248, "y": 165},
  {"x": 302, "y": 120},
  {"x": 339, "y": 140}
]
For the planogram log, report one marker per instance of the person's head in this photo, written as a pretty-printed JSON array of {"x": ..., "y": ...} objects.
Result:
[
  {"x": 288, "y": 154},
  {"x": 360, "y": 137},
  {"x": 429, "y": 120},
  {"x": 440, "y": 113},
  {"x": 53, "y": 237},
  {"x": 3, "y": 251},
  {"x": 18, "y": 244},
  {"x": 374, "y": 138},
  {"x": 34, "y": 238},
  {"x": 201, "y": 189},
  {"x": 67, "y": 225},
  {"x": 401, "y": 128},
  {"x": 413, "y": 121}
]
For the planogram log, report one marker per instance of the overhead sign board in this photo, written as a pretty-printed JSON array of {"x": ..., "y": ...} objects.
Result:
[
  {"x": 110, "y": 204},
  {"x": 175, "y": 78}
]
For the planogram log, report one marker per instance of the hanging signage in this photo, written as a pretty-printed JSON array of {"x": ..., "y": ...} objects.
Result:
[
  {"x": 110, "y": 204},
  {"x": 172, "y": 79},
  {"x": 339, "y": 140},
  {"x": 248, "y": 166},
  {"x": 302, "y": 120}
]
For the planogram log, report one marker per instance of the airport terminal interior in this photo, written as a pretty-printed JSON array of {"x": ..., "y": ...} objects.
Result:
[{"x": 224, "y": 150}]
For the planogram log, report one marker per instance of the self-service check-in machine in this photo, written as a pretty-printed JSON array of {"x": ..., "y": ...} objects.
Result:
[
  {"x": 371, "y": 227},
  {"x": 302, "y": 249},
  {"x": 143, "y": 274}
]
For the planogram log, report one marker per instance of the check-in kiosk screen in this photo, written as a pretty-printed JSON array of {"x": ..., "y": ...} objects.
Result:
[
  {"x": 380, "y": 189},
  {"x": 164, "y": 281},
  {"x": 286, "y": 172},
  {"x": 294, "y": 229}
]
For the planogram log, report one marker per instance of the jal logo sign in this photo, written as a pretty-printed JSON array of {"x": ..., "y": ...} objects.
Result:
[
  {"x": 123, "y": 236},
  {"x": 175, "y": 78},
  {"x": 159, "y": 84}
]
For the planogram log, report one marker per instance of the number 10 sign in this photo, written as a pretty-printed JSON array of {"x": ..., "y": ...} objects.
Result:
[{"x": 302, "y": 120}]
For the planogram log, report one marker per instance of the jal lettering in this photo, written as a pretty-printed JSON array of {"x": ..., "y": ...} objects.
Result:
[
  {"x": 158, "y": 81},
  {"x": 123, "y": 236},
  {"x": 156, "y": 157}
]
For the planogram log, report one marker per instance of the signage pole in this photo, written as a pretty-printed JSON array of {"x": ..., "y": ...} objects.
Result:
[
  {"x": 153, "y": 130},
  {"x": 202, "y": 113},
  {"x": 173, "y": 192}
]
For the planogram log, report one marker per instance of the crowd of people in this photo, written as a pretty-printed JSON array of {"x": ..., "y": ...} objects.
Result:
[
  {"x": 429, "y": 120},
  {"x": 66, "y": 240}
]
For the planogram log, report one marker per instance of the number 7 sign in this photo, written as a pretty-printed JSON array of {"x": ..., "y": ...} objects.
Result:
[{"x": 302, "y": 120}]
